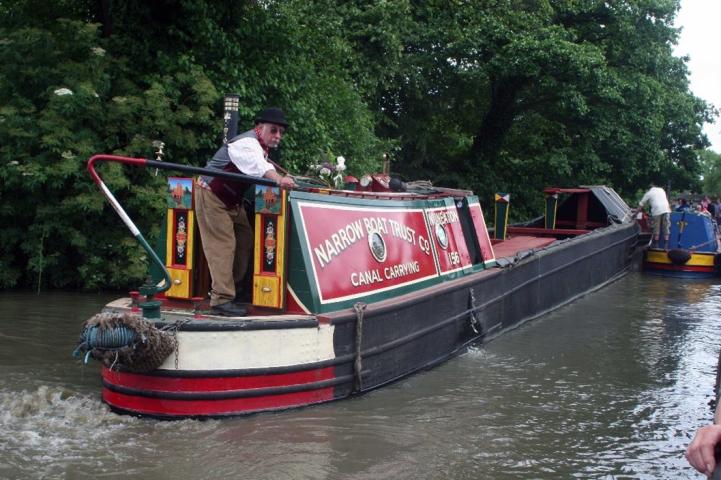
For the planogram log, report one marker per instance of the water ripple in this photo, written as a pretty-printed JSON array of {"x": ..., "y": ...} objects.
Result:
[{"x": 611, "y": 386}]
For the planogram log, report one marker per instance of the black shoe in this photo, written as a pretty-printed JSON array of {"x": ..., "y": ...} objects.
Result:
[{"x": 229, "y": 309}]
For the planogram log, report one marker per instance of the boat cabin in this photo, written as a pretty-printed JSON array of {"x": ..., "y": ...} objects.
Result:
[{"x": 320, "y": 250}]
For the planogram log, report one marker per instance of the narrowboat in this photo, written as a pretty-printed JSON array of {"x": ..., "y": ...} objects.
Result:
[
  {"x": 351, "y": 290},
  {"x": 692, "y": 250}
]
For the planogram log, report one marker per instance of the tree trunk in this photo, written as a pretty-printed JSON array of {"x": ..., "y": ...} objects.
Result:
[
  {"x": 102, "y": 15},
  {"x": 498, "y": 120}
]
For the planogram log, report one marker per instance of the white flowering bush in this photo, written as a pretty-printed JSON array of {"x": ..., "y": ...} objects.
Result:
[{"x": 331, "y": 173}]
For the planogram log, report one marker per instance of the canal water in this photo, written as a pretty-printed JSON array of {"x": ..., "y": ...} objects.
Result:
[{"x": 611, "y": 386}]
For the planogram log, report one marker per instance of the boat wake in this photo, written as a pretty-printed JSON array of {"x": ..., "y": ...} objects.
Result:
[
  {"x": 21, "y": 406},
  {"x": 50, "y": 429}
]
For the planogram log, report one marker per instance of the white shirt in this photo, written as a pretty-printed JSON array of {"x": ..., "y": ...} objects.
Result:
[
  {"x": 656, "y": 197},
  {"x": 248, "y": 156}
]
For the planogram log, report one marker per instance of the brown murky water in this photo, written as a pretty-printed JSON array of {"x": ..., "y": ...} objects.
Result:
[{"x": 611, "y": 386}]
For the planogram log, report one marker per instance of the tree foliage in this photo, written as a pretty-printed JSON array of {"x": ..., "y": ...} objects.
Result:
[
  {"x": 492, "y": 95},
  {"x": 711, "y": 165},
  {"x": 516, "y": 95}
]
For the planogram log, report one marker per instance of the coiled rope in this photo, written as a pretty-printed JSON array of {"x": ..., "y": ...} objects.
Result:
[{"x": 120, "y": 338}]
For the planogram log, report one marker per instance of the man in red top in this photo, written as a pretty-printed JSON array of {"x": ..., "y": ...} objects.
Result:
[{"x": 222, "y": 220}]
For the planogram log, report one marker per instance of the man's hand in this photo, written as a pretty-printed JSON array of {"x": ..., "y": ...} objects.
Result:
[
  {"x": 282, "y": 181},
  {"x": 700, "y": 453},
  {"x": 286, "y": 182}
]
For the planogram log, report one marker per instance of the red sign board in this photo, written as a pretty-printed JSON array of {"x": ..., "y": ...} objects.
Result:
[
  {"x": 445, "y": 224},
  {"x": 357, "y": 250}
]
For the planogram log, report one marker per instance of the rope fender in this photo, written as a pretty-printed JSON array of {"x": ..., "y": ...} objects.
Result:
[{"x": 123, "y": 339}]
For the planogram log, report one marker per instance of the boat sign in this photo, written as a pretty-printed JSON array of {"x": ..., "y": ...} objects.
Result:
[{"x": 357, "y": 250}]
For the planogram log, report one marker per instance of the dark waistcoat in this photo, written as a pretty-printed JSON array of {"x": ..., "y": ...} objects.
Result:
[{"x": 229, "y": 191}]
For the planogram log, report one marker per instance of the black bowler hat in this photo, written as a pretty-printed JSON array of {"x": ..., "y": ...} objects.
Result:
[{"x": 272, "y": 115}]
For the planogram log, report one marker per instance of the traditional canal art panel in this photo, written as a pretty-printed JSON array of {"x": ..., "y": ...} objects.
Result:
[
  {"x": 357, "y": 250},
  {"x": 447, "y": 234}
]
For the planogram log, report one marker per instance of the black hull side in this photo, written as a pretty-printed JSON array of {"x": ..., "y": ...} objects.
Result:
[{"x": 420, "y": 330}]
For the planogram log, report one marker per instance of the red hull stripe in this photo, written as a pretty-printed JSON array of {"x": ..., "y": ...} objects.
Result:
[
  {"x": 679, "y": 268},
  {"x": 197, "y": 408},
  {"x": 157, "y": 383},
  {"x": 225, "y": 394}
]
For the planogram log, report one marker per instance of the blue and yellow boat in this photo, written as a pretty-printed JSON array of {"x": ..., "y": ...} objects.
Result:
[{"x": 692, "y": 250}]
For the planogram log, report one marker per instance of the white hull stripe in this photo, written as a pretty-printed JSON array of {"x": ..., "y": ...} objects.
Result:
[{"x": 242, "y": 350}]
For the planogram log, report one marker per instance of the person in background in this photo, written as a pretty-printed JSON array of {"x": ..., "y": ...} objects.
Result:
[
  {"x": 705, "y": 202},
  {"x": 702, "y": 210},
  {"x": 717, "y": 211},
  {"x": 711, "y": 207},
  {"x": 682, "y": 205},
  {"x": 224, "y": 227},
  {"x": 660, "y": 213}
]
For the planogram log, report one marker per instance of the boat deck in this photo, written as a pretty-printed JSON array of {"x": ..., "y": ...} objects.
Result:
[{"x": 511, "y": 246}]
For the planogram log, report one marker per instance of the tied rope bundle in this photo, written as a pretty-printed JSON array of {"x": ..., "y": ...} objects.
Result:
[{"x": 116, "y": 339}]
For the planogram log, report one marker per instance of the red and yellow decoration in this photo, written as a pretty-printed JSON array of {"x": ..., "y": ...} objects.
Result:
[
  {"x": 270, "y": 239},
  {"x": 180, "y": 237}
]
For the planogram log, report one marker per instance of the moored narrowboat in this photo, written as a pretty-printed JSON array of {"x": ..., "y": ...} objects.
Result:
[
  {"x": 692, "y": 250},
  {"x": 351, "y": 290}
]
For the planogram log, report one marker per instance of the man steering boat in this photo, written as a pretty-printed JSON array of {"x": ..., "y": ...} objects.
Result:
[{"x": 222, "y": 220}]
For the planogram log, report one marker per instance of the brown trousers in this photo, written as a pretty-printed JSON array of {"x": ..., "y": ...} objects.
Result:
[{"x": 227, "y": 243}]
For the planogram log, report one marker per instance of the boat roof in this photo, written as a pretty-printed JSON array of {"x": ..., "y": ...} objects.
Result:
[
  {"x": 693, "y": 231},
  {"x": 611, "y": 201},
  {"x": 605, "y": 206}
]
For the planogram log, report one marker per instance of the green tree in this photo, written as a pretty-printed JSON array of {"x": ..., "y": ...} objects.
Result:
[
  {"x": 492, "y": 95},
  {"x": 154, "y": 71},
  {"x": 711, "y": 164},
  {"x": 517, "y": 95},
  {"x": 57, "y": 110}
]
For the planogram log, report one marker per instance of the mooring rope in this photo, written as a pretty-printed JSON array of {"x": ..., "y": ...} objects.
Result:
[
  {"x": 475, "y": 322},
  {"x": 119, "y": 336},
  {"x": 359, "y": 308},
  {"x": 696, "y": 247}
]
